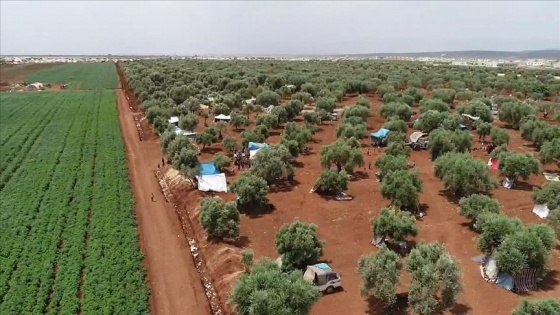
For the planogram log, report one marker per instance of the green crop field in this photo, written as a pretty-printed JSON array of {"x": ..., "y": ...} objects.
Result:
[
  {"x": 79, "y": 75},
  {"x": 68, "y": 242}
]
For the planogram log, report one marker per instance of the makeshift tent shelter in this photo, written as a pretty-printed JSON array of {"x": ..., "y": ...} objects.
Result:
[
  {"x": 552, "y": 176},
  {"x": 222, "y": 118},
  {"x": 506, "y": 281},
  {"x": 173, "y": 120},
  {"x": 323, "y": 277},
  {"x": 208, "y": 169},
  {"x": 493, "y": 164},
  {"x": 378, "y": 136},
  {"x": 507, "y": 183},
  {"x": 526, "y": 280},
  {"x": 417, "y": 135},
  {"x": 473, "y": 118},
  {"x": 214, "y": 182},
  {"x": 254, "y": 147},
  {"x": 269, "y": 109},
  {"x": 541, "y": 210}
]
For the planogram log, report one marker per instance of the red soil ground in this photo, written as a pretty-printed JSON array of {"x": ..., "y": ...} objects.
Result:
[
  {"x": 174, "y": 282},
  {"x": 345, "y": 226},
  {"x": 17, "y": 73}
]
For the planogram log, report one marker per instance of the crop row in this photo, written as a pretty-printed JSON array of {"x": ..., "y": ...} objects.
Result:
[
  {"x": 69, "y": 239},
  {"x": 79, "y": 75}
]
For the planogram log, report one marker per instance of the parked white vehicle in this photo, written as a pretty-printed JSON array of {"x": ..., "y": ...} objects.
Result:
[{"x": 322, "y": 275}]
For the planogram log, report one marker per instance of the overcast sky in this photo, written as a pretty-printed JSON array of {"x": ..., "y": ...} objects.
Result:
[{"x": 284, "y": 27}]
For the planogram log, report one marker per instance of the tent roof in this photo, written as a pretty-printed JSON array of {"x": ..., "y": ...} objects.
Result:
[
  {"x": 223, "y": 117},
  {"x": 214, "y": 182},
  {"x": 173, "y": 119},
  {"x": 417, "y": 135},
  {"x": 471, "y": 117},
  {"x": 208, "y": 169},
  {"x": 381, "y": 133},
  {"x": 256, "y": 145}
]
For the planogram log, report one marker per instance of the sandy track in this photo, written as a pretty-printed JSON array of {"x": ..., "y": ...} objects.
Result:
[{"x": 174, "y": 282}]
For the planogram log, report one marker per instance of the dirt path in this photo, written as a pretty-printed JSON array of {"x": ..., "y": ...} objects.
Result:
[{"x": 174, "y": 282}]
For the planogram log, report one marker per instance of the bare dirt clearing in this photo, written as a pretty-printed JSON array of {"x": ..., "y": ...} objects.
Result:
[
  {"x": 173, "y": 279},
  {"x": 16, "y": 73}
]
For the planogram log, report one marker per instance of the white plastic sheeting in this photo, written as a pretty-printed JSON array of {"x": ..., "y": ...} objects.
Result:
[
  {"x": 541, "y": 211},
  {"x": 214, "y": 182},
  {"x": 252, "y": 153}
]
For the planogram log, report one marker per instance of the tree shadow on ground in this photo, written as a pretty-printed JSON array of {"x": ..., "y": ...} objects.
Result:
[
  {"x": 452, "y": 198},
  {"x": 377, "y": 307},
  {"x": 359, "y": 175},
  {"x": 210, "y": 150},
  {"x": 254, "y": 211},
  {"x": 274, "y": 133},
  {"x": 551, "y": 281},
  {"x": 524, "y": 186},
  {"x": 240, "y": 242},
  {"x": 460, "y": 309},
  {"x": 298, "y": 164},
  {"x": 283, "y": 185}
]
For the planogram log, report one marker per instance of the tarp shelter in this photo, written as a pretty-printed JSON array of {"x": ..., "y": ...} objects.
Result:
[
  {"x": 506, "y": 281},
  {"x": 493, "y": 164},
  {"x": 463, "y": 127},
  {"x": 473, "y": 118},
  {"x": 269, "y": 109},
  {"x": 489, "y": 269},
  {"x": 208, "y": 169},
  {"x": 526, "y": 280},
  {"x": 378, "y": 240},
  {"x": 318, "y": 273},
  {"x": 254, "y": 147},
  {"x": 173, "y": 120},
  {"x": 417, "y": 135},
  {"x": 507, "y": 183},
  {"x": 214, "y": 182},
  {"x": 380, "y": 134},
  {"x": 552, "y": 176},
  {"x": 222, "y": 118},
  {"x": 541, "y": 210}
]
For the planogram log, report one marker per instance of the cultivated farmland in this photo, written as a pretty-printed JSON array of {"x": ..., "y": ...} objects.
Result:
[
  {"x": 371, "y": 95},
  {"x": 80, "y": 76},
  {"x": 67, "y": 229}
]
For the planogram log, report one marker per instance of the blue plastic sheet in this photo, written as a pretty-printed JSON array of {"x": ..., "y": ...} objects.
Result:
[
  {"x": 208, "y": 169},
  {"x": 380, "y": 134}
]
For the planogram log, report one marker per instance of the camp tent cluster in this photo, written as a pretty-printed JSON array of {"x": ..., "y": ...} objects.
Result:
[
  {"x": 525, "y": 281},
  {"x": 210, "y": 178}
]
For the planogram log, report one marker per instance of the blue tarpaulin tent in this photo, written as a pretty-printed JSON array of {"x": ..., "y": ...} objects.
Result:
[
  {"x": 323, "y": 266},
  {"x": 255, "y": 146},
  {"x": 380, "y": 134},
  {"x": 208, "y": 169},
  {"x": 505, "y": 281}
]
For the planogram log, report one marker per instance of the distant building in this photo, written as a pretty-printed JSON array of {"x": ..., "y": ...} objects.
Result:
[{"x": 508, "y": 64}]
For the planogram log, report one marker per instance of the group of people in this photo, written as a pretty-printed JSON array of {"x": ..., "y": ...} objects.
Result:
[{"x": 242, "y": 159}]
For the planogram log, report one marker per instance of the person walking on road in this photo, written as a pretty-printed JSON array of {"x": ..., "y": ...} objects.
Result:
[{"x": 153, "y": 197}]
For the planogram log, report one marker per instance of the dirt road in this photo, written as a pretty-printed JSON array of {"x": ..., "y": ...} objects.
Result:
[{"x": 174, "y": 283}]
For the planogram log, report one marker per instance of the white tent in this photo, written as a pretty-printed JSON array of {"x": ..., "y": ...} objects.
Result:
[
  {"x": 173, "y": 120},
  {"x": 471, "y": 117},
  {"x": 222, "y": 117},
  {"x": 214, "y": 182},
  {"x": 541, "y": 210}
]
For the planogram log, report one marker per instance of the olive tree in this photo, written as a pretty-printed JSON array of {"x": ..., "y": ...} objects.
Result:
[
  {"x": 238, "y": 120},
  {"x": 395, "y": 124},
  {"x": 548, "y": 195},
  {"x": 221, "y": 161},
  {"x": 327, "y": 104},
  {"x": 435, "y": 282},
  {"x": 387, "y": 163},
  {"x": 268, "y": 97},
  {"x": 186, "y": 161},
  {"x": 346, "y": 130},
  {"x": 332, "y": 181},
  {"x": 483, "y": 129},
  {"x": 341, "y": 154},
  {"x": 518, "y": 165},
  {"x": 230, "y": 144},
  {"x": 402, "y": 188},
  {"x": 525, "y": 248},
  {"x": 494, "y": 228},
  {"x": 380, "y": 273},
  {"x": 251, "y": 136},
  {"x": 396, "y": 148},
  {"x": 446, "y": 95},
  {"x": 272, "y": 163},
  {"x": 219, "y": 219},
  {"x": 474, "y": 205},
  {"x": 269, "y": 120},
  {"x": 188, "y": 122},
  {"x": 477, "y": 109},
  {"x": 357, "y": 111},
  {"x": 221, "y": 109},
  {"x": 433, "y": 104},
  {"x": 250, "y": 189},
  {"x": 442, "y": 141},
  {"x": 430, "y": 120},
  {"x": 513, "y": 112},
  {"x": 554, "y": 221},
  {"x": 298, "y": 244},
  {"x": 397, "y": 109},
  {"x": 268, "y": 290},
  {"x": 538, "y": 307},
  {"x": 463, "y": 175},
  {"x": 550, "y": 152},
  {"x": 293, "y": 108},
  {"x": 394, "y": 223},
  {"x": 499, "y": 136}
]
